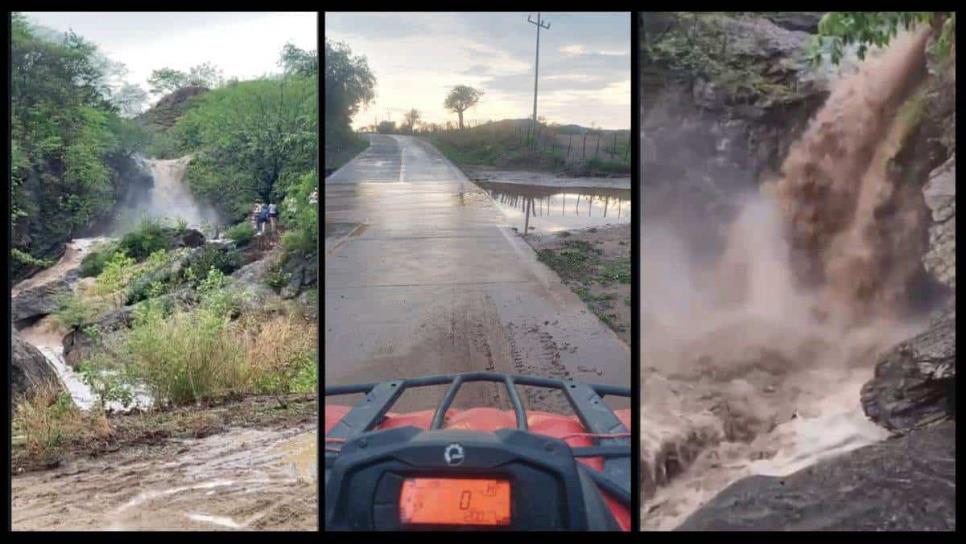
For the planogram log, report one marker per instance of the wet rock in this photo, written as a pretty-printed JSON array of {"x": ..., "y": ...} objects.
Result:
[
  {"x": 302, "y": 272},
  {"x": 28, "y": 367},
  {"x": 906, "y": 483},
  {"x": 708, "y": 139},
  {"x": 915, "y": 381},
  {"x": 41, "y": 300},
  {"x": 801, "y": 21},
  {"x": 189, "y": 238},
  {"x": 940, "y": 197},
  {"x": 80, "y": 343}
]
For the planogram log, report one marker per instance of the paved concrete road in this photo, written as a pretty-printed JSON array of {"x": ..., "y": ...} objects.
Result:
[{"x": 422, "y": 276}]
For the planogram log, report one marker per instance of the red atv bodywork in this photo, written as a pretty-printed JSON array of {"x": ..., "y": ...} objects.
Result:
[{"x": 491, "y": 419}]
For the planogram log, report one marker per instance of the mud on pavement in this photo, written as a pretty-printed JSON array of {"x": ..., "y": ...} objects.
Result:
[{"x": 437, "y": 282}]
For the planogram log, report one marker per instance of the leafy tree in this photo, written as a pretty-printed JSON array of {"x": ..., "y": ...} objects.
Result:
[
  {"x": 349, "y": 85},
  {"x": 411, "y": 118},
  {"x": 254, "y": 139},
  {"x": 298, "y": 62},
  {"x": 837, "y": 30},
  {"x": 462, "y": 98},
  {"x": 130, "y": 100},
  {"x": 68, "y": 143},
  {"x": 166, "y": 80},
  {"x": 205, "y": 75}
]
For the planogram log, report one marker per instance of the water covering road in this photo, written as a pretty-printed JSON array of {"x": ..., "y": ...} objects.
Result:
[{"x": 424, "y": 276}]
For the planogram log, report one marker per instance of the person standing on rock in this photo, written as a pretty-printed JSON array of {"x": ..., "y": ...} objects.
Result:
[
  {"x": 273, "y": 218},
  {"x": 256, "y": 216}
]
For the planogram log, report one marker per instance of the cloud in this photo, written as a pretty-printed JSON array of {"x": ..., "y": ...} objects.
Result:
[
  {"x": 575, "y": 49},
  {"x": 586, "y": 58}
]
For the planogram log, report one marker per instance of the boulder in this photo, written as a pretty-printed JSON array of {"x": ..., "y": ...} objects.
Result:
[
  {"x": 905, "y": 483},
  {"x": 79, "y": 345},
  {"x": 940, "y": 196},
  {"x": 40, "y": 300},
  {"x": 801, "y": 21},
  {"x": 915, "y": 382},
  {"x": 302, "y": 271},
  {"x": 189, "y": 238},
  {"x": 28, "y": 367}
]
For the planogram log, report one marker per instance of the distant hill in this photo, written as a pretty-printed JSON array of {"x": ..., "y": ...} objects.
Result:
[
  {"x": 166, "y": 112},
  {"x": 559, "y": 129}
]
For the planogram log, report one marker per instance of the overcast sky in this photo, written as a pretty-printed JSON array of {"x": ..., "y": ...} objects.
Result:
[
  {"x": 242, "y": 44},
  {"x": 585, "y": 64}
]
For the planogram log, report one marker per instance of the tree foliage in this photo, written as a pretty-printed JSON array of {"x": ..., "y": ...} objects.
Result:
[
  {"x": 168, "y": 80},
  {"x": 67, "y": 139},
  {"x": 298, "y": 62},
  {"x": 411, "y": 118},
  {"x": 462, "y": 98},
  {"x": 349, "y": 85},
  {"x": 254, "y": 139},
  {"x": 866, "y": 29}
]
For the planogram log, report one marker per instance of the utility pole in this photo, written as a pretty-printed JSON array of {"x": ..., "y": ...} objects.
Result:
[{"x": 536, "y": 73}]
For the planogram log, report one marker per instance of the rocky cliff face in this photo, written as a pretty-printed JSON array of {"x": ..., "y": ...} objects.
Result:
[
  {"x": 28, "y": 367},
  {"x": 723, "y": 98}
]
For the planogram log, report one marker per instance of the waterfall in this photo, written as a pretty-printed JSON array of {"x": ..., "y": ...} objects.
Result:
[{"x": 170, "y": 197}]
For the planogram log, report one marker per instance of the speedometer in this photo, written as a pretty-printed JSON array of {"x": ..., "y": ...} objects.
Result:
[{"x": 455, "y": 501}]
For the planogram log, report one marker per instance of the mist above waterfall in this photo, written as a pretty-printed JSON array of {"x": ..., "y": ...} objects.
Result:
[{"x": 168, "y": 198}]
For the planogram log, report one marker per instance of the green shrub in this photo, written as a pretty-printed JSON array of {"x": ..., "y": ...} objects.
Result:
[
  {"x": 93, "y": 263},
  {"x": 241, "y": 234},
  {"x": 149, "y": 236},
  {"x": 300, "y": 213},
  {"x": 73, "y": 311},
  {"x": 275, "y": 277},
  {"x": 117, "y": 273},
  {"x": 209, "y": 257},
  {"x": 109, "y": 380},
  {"x": 29, "y": 260},
  {"x": 147, "y": 282}
]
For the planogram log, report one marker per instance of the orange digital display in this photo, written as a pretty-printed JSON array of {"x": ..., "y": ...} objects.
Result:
[{"x": 455, "y": 501}]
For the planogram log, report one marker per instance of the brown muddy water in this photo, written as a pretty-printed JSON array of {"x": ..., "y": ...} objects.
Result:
[
  {"x": 753, "y": 366},
  {"x": 549, "y": 209},
  {"x": 243, "y": 479}
]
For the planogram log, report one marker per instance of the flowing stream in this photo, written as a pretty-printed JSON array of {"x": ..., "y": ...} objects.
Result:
[{"x": 753, "y": 365}]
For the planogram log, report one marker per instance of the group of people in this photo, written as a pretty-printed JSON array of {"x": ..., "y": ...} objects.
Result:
[{"x": 265, "y": 214}]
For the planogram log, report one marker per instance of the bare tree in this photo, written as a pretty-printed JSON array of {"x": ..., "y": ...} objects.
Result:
[
  {"x": 462, "y": 98},
  {"x": 410, "y": 120}
]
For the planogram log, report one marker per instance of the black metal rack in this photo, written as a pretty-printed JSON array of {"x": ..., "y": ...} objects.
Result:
[{"x": 586, "y": 400}]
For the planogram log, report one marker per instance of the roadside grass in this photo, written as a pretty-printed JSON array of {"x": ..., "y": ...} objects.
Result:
[
  {"x": 337, "y": 155},
  {"x": 504, "y": 144},
  {"x": 573, "y": 261},
  {"x": 46, "y": 422},
  {"x": 582, "y": 268},
  {"x": 500, "y": 145}
]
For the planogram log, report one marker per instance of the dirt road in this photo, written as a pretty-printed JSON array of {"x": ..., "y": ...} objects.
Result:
[{"x": 427, "y": 278}]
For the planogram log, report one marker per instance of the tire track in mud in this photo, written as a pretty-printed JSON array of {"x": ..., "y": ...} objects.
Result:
[{"x": 535, "y": 353}]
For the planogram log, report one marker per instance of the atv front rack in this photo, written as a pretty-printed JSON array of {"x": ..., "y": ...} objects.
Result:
[{"x": 586, "y": 400}]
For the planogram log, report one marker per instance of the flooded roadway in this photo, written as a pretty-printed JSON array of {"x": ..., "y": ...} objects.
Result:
[{"x": 423, "y": 275}]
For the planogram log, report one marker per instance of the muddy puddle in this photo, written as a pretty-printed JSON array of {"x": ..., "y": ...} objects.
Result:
[
  {"x": 243, "y": 479},
  {"x": 549, "y": 209}
]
